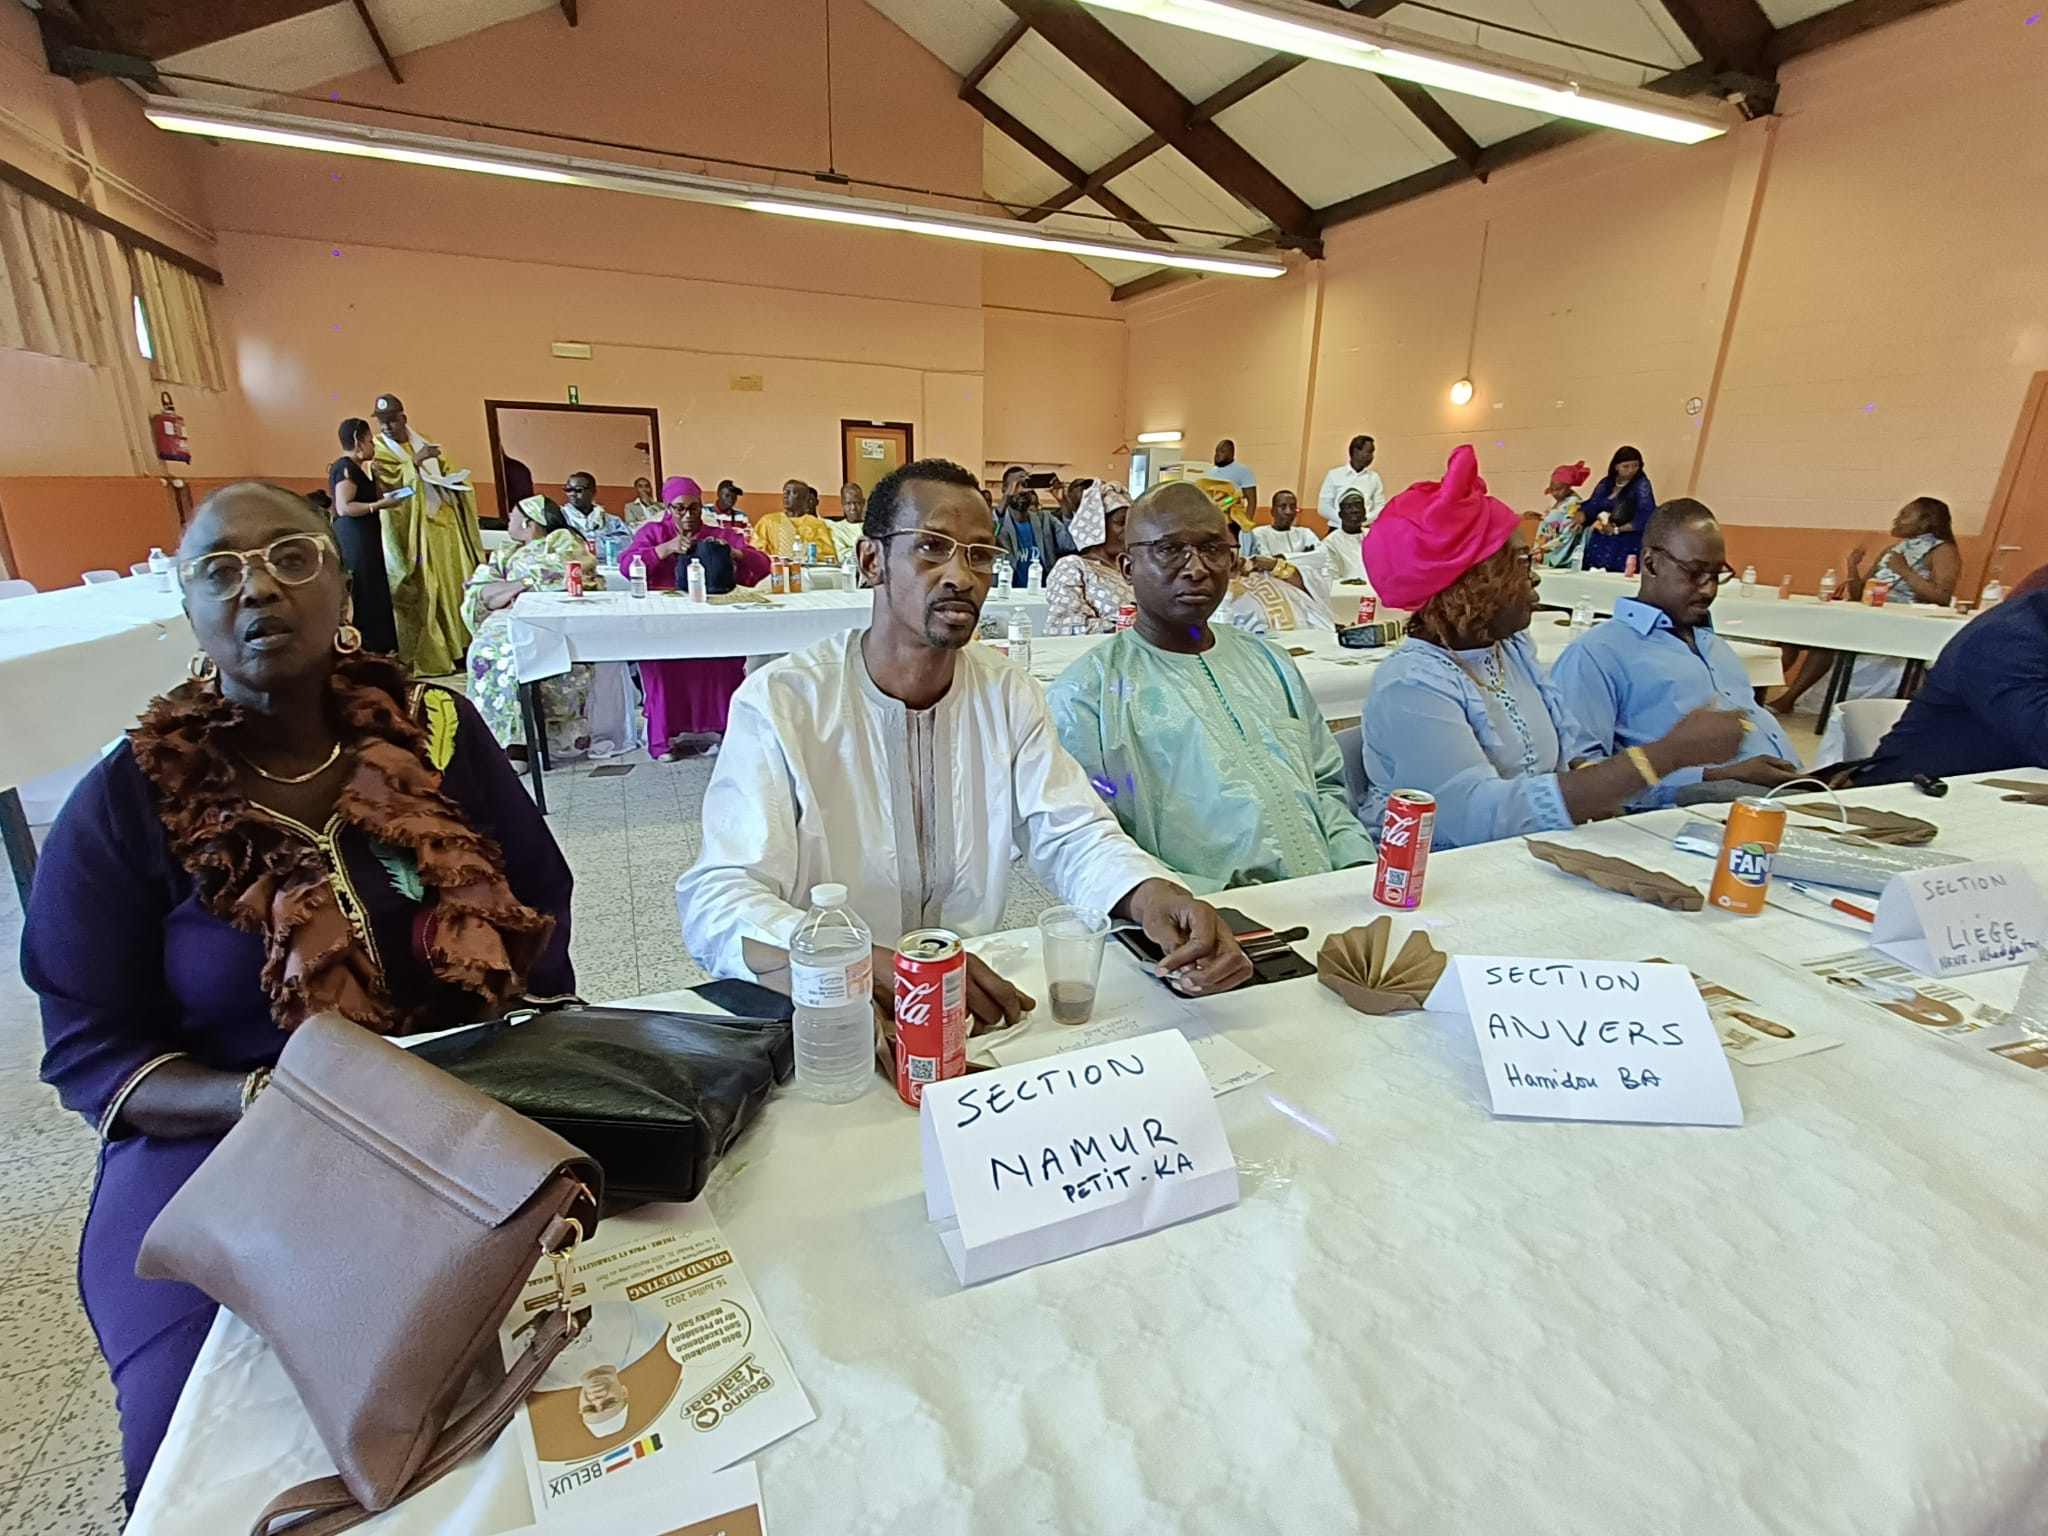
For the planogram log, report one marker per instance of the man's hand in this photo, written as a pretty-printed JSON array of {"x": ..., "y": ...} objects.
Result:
[
  {"x": 992, "y": 1003},
  {"x": 1200, "y": 956},
  {"x": 1767, "y": 771},
  {"x": 427, "y": 451}
]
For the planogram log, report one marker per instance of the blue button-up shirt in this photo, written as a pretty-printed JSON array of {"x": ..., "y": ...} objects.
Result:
[{"x": 1630, "y": 680}]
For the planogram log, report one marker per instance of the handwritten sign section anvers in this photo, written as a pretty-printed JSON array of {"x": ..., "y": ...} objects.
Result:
[
  {"x": 1960, "y": 918},
  {"x": 1592, "y": 1040},
  {"x": 1049, "y": 1158}
]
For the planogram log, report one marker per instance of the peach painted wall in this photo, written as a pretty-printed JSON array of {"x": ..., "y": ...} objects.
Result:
[
  {"x": 1896, "y": 264},
  {"x": 557, "y": 444},
  {"x": 1054, "y": 348}
]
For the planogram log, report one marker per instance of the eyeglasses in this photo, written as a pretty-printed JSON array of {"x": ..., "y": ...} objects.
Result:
[
  {"x": 1698, "y": 572},
  {"x": 933, "y": 548},
  {"x": 294, "y": 560},
  {"x": 1172, "y": 554}
]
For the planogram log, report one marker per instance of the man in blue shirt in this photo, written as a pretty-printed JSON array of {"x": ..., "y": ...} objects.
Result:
[
  {"x": 1025, "y": 529},
  {"x": 1984, "y": 705},
  {"x": 1630, "y": 680}
]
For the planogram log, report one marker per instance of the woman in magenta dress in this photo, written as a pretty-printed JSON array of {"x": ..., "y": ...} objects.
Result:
[
  {"x": 187, "y": 914},
  {"x": 687, "y": 698}
]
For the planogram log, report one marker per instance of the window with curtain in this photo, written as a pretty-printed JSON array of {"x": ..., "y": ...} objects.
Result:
[
  {"x": 52, "y": 297},
  {"x": 180, "y": 325}
]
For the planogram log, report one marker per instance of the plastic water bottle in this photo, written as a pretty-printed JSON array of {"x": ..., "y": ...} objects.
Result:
[
  {"x": 699, "y": 591},
  {"x": 1992, "y": 595},
  {"x": 638, "y": 575},
  {"x": 160, "y": 568},
  {"x": 1034, "y": 578},
  {"x": 1020, "y": 640},
  {"x": 831, "y": 981},
  {"x": 1827, "y": 585},
  {"x": 1749, "y": 581},
  {"x": 1002, "y": 581}
]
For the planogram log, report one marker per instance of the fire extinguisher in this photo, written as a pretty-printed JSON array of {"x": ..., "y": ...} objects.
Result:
[{"x": 168, "y": 427}]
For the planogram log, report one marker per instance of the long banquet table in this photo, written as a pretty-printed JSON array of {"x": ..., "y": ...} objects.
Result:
[
  {"x": 77, "y": 668},
  {"x": 1419, "y": 1318}
]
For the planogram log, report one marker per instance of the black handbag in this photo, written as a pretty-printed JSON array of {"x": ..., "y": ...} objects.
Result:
[{"x": 655, "y": 1098}]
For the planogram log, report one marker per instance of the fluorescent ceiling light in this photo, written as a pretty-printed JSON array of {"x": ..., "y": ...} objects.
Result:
[
  {"x": 1158, "y": 437},
  {"x": 338, "y": 137},
  {"x": 1316, "y": 31}
]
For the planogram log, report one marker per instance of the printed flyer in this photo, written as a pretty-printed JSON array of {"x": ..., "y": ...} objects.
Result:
[
  {"x": 675, "y": 1373},
  {"x": 1749, "y": 1035},
  {"x": 1943, "y": 1008}
]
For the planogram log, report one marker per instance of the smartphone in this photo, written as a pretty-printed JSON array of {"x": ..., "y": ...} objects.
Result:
[
  {"x": 403, "y": 492},
  {"x": 1280, "y": 965}
]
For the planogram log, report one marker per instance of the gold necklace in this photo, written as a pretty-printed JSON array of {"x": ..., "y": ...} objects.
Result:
[{"x": 298, "y": 778}]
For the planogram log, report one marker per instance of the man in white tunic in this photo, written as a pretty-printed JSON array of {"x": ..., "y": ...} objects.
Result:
[{"x": 905, "y": 763}]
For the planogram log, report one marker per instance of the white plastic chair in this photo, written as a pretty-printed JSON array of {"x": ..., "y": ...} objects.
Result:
[
  {"x": 1856, "y": 727},
  {"x": 94, "y": 578},
  {"x": 17, "y": 588},
  {"x": 139, "y": 568},
  {"x": 1351, "y": 743}
]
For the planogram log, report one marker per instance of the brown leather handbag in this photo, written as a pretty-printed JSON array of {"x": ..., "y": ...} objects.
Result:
[{"x": 374, "y": 1219}]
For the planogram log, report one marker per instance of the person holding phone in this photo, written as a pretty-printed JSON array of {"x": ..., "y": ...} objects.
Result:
[{"x": 359, "y": 530}]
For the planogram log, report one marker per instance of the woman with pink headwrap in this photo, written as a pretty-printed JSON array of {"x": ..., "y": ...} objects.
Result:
[
  {"x": 1563, "y": 528},
  {"x": 1463, "y": 709},
  {"x": 689, "y": 698}
]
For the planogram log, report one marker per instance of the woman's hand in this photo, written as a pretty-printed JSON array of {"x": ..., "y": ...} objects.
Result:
[
  {"x": 1856, "y": 558},
  {"x": 500, "y": 595},
  {"x": 1704, "y": 737}
]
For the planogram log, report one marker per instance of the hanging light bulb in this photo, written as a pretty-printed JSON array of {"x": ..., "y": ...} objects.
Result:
[{"x": 1461, "y": 392}]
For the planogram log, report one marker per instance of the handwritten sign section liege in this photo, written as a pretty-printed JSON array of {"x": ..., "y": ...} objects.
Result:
[
  {"x": 1049, "y": 1158},
  {"x": 1961, "y": 918},
  {"x": 1592, "y": 1040}
]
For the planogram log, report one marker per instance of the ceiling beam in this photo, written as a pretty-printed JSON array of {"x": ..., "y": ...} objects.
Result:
[
  {"x": 384, "y": 53},
  {"x": 1112, "y": 64},
  {"x": 1167, "y": 276},
  {"x": 995, "y": 56},
  {"x": 1843, "y": 23},
  {"x": 1729, "y": 34},
  {"x": 1037, "y": 146},
  {"x": 1436, "y": 117}
]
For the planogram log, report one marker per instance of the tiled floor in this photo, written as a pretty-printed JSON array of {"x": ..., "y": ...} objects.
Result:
[{"x": 626, "y": 837}]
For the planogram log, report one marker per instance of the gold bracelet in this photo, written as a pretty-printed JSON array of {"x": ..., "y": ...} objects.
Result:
[{"x": 1641, "y": 759}]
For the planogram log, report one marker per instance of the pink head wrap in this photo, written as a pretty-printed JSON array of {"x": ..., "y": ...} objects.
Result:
[
  {"x": 1434, "y": 532},
  {"x": 680, "y": 485},
  {"x": 1573, "y": 475}
]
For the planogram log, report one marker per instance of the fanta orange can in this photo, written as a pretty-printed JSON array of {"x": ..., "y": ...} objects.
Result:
[{"x": 1742, "y": 873}]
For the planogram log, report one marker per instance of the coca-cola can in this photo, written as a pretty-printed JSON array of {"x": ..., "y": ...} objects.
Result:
[
  {"x": 575, "y": 579},
  {"x": 1405, "y": 837},
  {"x": 931, "y": 1011},
  {"x": 1368, "y": 609},
  {"x": 1126, "y": 616}
]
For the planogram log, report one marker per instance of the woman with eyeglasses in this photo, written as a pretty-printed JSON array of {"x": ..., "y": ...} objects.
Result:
[
  {"x": 297, "y": 830},
  {"x": 690, "y": 699},
  {"x": 1463, "y": 709},
  {"x": 540, "y": 548}
]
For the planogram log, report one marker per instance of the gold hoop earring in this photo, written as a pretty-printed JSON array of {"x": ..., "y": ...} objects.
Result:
[
  {"x": 203, "y": 668},
  {"x": 348, "y": 640}
]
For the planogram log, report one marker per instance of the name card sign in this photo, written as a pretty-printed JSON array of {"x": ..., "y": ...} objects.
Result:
[
  {"x": 1592, "y": 1040},
  {"x": 1045, "y": 1159},
  {"x": 1960, "y": 918}
]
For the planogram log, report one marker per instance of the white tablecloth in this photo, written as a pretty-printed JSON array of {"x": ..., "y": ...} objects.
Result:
[
  {"x": 1917, "y": 631},
  {"x": 79, "y": 665},
  {"x": 1419, "y": 1318},
  {"x": 1338, "y": 678},
  {"x": 551, "y": 631}
]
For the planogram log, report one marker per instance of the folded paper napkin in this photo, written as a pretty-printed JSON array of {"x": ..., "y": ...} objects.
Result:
[
  {"x": 1868, "y": 822},
  {"x": 2021, "y": 791},
  {"x": 1620, "y": 876},
  {"x": 1353, "y": 964}
]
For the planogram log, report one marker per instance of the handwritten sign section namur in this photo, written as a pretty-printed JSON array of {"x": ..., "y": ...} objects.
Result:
[
  {"x": 1961, "y": 918},
  {"x": 1592, "y": 1040},
  {"x": 1049, "y": 1158}
]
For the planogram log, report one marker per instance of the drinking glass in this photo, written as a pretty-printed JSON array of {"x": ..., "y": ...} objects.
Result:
[{"x": 1073, "y": 959}]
